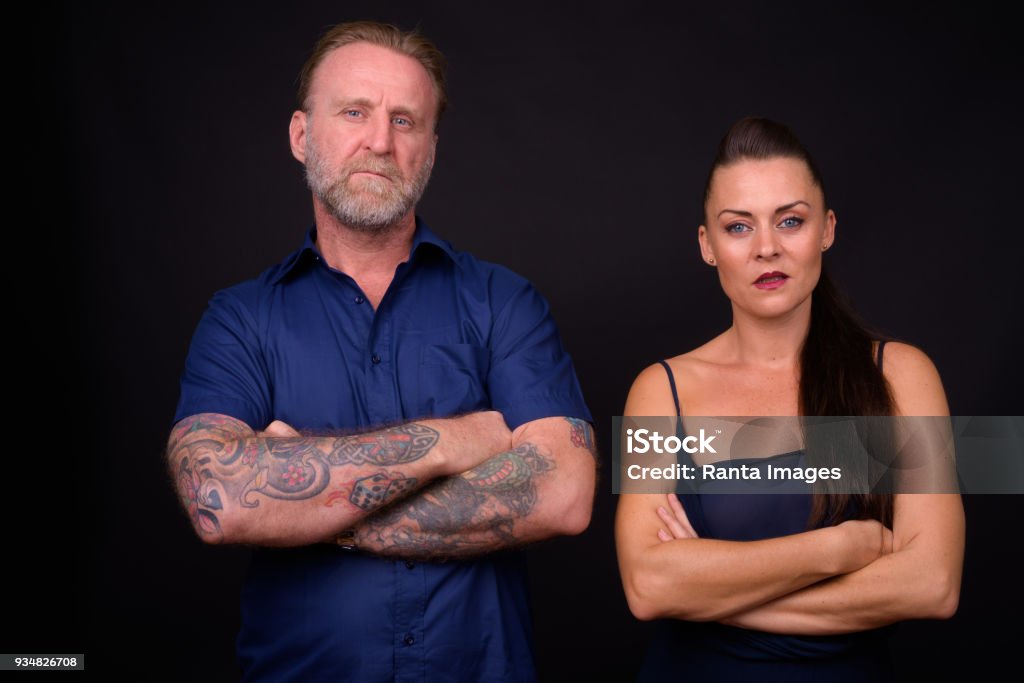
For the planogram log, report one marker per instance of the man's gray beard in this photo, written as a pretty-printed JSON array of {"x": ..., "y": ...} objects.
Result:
[{"x": 380, "y": 204}]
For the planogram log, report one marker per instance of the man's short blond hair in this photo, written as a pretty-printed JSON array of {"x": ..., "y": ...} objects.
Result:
[{"x": 409, "y": 43}]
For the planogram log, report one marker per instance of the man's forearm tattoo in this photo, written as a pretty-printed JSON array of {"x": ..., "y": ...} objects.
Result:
[
  {"x": 217, "y": 452},
  {"x": 390, "y": 447},
  {"x": 465, "y": 514},
  {"x": 581, "y": 434},
  {"x": 370, "y": 493}
]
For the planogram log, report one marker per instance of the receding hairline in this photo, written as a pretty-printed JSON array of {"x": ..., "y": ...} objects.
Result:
[
  {"x": 327, "y": 55},
  {"x": 411, "y": 44}
]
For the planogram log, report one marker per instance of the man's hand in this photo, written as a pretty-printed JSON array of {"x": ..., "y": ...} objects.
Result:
[
  {"x": 278, "y": 429},
  {"x": 542, "y": 487},
  {"x": 476, "y": 434}
]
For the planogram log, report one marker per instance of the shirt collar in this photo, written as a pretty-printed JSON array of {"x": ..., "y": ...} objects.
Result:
[{"x": 309, "y": 252}]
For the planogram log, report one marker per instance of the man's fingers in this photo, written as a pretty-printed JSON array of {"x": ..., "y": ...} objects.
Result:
[{"x": 279, "y": 429}]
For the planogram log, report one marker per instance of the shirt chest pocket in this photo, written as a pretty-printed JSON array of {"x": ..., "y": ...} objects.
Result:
[{"x": 452, "y": 378}]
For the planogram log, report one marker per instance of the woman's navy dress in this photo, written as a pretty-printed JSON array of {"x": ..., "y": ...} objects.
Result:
[{"x": 704, "y": 651}]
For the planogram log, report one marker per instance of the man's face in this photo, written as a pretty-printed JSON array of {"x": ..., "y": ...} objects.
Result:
[{"x": 368, "y": 141}]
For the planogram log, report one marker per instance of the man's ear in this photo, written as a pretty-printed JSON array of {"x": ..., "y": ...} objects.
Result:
[{"x": 297, "y": 135}]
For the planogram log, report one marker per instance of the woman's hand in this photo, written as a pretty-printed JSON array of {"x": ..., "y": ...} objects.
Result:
[
  {"x": 864, "y": 541},
  {"x": 674, "y": 517}
]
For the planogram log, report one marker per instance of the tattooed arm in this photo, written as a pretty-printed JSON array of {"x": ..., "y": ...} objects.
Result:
[
  {"x": 542, "y": 487},
  {"x": 242, "y": 487}
]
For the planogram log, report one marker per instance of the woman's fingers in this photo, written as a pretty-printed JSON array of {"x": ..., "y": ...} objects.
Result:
[
  {"x": 674, "y": 527},
  {"x": 676, "y": 522},
  {"x": 680, "y": 513},
  {"x": 886, "y": 540}
]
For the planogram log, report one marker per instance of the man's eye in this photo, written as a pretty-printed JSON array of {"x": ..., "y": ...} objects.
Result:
[
  {"x": 402, "y": 121},
  {"x": 353, "y": 113}
]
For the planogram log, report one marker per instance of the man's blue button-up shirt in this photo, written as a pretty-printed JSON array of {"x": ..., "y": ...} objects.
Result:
[{"x": 302, "y": 344}]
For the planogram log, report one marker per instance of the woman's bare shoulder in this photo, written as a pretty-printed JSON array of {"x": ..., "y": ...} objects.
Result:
[
  {"x": 651, "y": 393},
  {"x": 913, "y": 380}
]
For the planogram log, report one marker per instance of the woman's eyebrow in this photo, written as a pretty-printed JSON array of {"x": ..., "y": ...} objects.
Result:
[
  {"x": 789, "y": 206},
  {"x": 785, "y": 207}
]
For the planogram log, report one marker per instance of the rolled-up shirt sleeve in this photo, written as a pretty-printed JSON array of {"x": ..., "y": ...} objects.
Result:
[
  {"x": 531, "y": 375},
  {"x": 225, "y": 370}
]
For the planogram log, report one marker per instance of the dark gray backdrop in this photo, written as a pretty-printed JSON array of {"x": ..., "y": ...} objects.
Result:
[{"x": 574, "y": 152}]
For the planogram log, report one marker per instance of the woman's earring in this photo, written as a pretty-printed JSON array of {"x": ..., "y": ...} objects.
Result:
[{"x": 711, "y": 261}]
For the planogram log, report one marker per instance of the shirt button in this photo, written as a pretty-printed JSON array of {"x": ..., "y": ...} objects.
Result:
[
  {"x": 375, "y": 359},
  {"x": 409, "y": 640},
  {"x": 359, "y": 299},
  {"x": 409, "y": 564}
]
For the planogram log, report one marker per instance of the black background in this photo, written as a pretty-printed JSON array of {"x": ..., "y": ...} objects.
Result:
[{"x": 574, "y": 152}]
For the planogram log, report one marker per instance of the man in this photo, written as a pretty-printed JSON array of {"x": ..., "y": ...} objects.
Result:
[{"x": 380, "y": 414}]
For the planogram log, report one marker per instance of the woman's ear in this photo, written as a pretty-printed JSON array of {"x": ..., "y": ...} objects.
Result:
[
  {"x": 829, "y": 238},
  {"x": 706, "y": 252}
]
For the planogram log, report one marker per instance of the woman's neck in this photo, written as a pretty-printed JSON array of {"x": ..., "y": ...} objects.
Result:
[{"x": 770, "y": 342}]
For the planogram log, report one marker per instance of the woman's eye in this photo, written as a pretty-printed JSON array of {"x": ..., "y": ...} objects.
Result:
[
  {"x": 736, "y": 228},
  {"x": 791, "y": 222}
]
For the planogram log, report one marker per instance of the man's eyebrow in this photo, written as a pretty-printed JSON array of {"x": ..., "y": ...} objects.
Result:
[
  {"x": 784, "y": 207},
  {"x": 361, "y": 101},
  {"x": 404, "y": 111}
]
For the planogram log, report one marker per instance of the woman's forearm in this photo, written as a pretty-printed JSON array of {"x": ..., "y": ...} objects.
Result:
[
  {"x": 706, "y": 579},
  {"x": 886, "y": 591},
  {"x": 920, "y": 580}
]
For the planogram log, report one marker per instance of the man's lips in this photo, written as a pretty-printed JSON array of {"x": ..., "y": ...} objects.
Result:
[{"x": 373, "y": 173}]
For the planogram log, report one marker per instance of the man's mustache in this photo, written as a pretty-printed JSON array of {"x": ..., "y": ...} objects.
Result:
[{"x": 380, "y": 167}]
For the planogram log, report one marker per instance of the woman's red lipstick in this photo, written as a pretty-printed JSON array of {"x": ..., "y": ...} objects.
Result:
[{"x": 772, "y": 280}]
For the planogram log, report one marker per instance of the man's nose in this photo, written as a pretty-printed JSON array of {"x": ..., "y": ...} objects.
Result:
[{"x": 380, "y": 135}]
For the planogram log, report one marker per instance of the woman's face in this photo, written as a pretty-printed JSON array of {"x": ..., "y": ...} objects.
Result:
[{"x": 766, "y": 229}]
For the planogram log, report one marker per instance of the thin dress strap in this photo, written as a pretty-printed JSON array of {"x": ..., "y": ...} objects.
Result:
[
  {"x": 881, "y": 350},
  {"x": 672, "y": 383}
]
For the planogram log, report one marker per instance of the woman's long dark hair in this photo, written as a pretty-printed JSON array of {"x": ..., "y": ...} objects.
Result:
[{"x": 838, "y": 372}]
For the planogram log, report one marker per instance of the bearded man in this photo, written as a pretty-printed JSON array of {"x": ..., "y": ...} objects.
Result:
[{"x": 386, "y": 420}]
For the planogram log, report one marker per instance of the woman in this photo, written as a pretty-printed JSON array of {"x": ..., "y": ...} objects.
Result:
[{"x": 763, "y": 586}]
